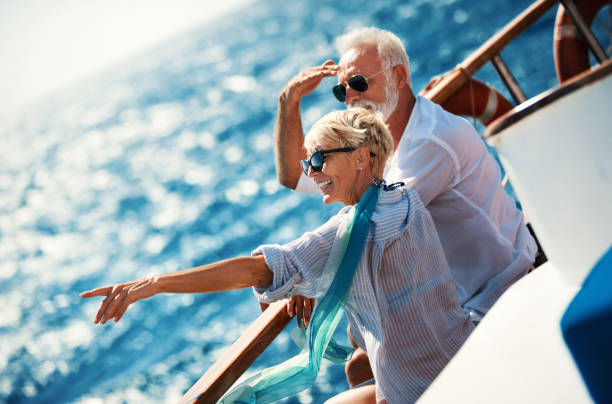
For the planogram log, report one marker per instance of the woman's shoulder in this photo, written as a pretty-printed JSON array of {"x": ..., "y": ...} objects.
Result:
[
  {"x": 397, "y": 197},
  {"x": 392, "y": 213}
]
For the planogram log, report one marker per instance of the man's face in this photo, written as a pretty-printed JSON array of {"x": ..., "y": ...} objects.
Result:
[{"x": 381, "y": 95}]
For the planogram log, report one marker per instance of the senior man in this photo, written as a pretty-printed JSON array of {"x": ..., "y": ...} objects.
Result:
[{"x": 438, "y": 154}]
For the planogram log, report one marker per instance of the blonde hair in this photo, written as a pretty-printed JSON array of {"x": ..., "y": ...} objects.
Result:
[
  {"x": 354, "y": 127},
  {"x": 390, "y": 48}
]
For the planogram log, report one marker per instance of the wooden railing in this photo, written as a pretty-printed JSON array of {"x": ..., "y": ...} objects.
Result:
[
  {"x": 489, "y": 51},
  {"x": 236, "y": 360},
  {"x": 220, "y": 377}
]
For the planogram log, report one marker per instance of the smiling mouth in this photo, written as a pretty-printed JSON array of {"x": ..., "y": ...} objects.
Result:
[{"x": 324, "y": 184}]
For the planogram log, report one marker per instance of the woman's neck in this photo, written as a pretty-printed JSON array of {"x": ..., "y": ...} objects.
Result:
[{"x": 361, "y": 185}]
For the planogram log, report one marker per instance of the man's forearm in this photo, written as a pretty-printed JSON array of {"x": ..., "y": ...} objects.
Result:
[
  {"x": 235, "y": 273},
  {"x": 288, "y": 142}
]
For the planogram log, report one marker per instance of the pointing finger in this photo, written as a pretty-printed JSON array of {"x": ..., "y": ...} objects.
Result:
[{"x": 97, "y": 292}]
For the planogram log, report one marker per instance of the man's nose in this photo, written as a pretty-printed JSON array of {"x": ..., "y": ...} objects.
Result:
[{"x": 351, "y": 96}]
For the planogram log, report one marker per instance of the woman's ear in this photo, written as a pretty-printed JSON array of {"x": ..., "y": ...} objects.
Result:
[{"x": 363, "y": 158}]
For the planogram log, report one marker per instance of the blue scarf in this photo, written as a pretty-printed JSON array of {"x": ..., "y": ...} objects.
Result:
[{"x": 299, "y": 372}]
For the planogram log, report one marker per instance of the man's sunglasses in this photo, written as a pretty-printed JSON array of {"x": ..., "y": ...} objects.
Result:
[
  {"x": 318, "y": 158},
  {"x": 358, "y": 83}
]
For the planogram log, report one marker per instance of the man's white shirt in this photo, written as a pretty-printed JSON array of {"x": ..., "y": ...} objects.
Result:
[{"x": 483, "y": 233}]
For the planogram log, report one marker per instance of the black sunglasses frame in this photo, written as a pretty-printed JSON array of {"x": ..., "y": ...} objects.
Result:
[
  {"x": 320, "y": 154},
  {"x": 358, "y": 82}
]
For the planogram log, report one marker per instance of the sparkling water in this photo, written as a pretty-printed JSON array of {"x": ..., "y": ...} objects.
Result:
[{"x": 166, "y": 162}]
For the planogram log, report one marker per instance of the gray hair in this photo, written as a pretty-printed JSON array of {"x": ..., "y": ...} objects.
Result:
[
  {"x": 390, "y": 48},
  {"x": 354, "y": 127}
]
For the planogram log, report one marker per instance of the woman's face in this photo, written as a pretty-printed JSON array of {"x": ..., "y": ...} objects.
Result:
[{"x": 337, "y": 180}]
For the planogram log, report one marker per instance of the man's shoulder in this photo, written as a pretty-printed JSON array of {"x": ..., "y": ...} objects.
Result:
[
  {"x": 430, "y": 122},
  {"x": 432, "y": 119}
]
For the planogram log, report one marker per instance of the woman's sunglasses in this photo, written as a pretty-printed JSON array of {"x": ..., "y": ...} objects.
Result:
[
  {"x": 318, "y": 158},
  {"x": 358, "y": 83}
]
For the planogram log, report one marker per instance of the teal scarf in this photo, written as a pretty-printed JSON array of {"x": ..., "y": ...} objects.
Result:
[{"x": 299, "y": 372}]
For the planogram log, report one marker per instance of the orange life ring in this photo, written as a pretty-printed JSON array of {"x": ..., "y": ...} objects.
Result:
[
  {"x": 478, "y": 100},
  {"x": 570, "y": 49},
  {"x": 474, "y": 99}
]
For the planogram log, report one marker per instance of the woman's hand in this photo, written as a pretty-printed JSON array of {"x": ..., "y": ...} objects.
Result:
[
  {"x": 302, "y": 306},
  {"x": 119, "y": 297}
]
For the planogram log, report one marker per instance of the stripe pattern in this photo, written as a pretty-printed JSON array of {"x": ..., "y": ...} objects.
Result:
[{"x": 402, "y": 309}]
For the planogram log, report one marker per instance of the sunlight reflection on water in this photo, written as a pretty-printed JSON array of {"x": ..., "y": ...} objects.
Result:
[{"x": 164, "y": 163}]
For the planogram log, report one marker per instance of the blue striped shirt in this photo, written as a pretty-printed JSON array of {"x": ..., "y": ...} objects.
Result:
[{"x": 402, "y": 309}]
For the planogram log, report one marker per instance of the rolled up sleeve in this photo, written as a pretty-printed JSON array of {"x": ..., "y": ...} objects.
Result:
[
  {"x": 297, "y": 266},
  {"x": 285, "y": 275}
]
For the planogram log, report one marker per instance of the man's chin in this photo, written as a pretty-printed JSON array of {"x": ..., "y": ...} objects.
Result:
[{"x": 364, "y": 104}]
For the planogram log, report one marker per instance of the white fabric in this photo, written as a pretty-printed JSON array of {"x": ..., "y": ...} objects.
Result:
[
  {"x": 402, "y": 307},
  {"x": 483, "y": 234}
]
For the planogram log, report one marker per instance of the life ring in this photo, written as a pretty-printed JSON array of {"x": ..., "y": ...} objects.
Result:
[
  {"x": 570, "y": 49},
  {"x": 474, "y": 99}
]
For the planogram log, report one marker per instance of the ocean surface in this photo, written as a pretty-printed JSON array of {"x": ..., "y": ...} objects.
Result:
[{"x": 165, "y": 162}]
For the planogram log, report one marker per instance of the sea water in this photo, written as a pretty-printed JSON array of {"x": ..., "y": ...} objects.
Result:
[{"x": 166, "y": 162}]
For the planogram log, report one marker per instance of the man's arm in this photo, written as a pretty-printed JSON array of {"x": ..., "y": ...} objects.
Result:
[
  {"x": 288, "y": 141},
  {"x": 288, "y": 133}
]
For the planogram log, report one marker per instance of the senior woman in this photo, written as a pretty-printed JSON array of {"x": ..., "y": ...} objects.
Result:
[{"x": 379, "y": 259}]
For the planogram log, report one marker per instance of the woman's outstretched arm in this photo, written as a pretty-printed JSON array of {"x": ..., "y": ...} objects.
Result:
[{"x": 235, "y": 273}]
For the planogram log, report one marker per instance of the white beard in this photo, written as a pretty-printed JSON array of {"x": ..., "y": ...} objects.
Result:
[{"x": 387, "y": 107}]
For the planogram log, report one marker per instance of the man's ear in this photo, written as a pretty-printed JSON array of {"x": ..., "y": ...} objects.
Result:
[{"x": 400, "y": 76}]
